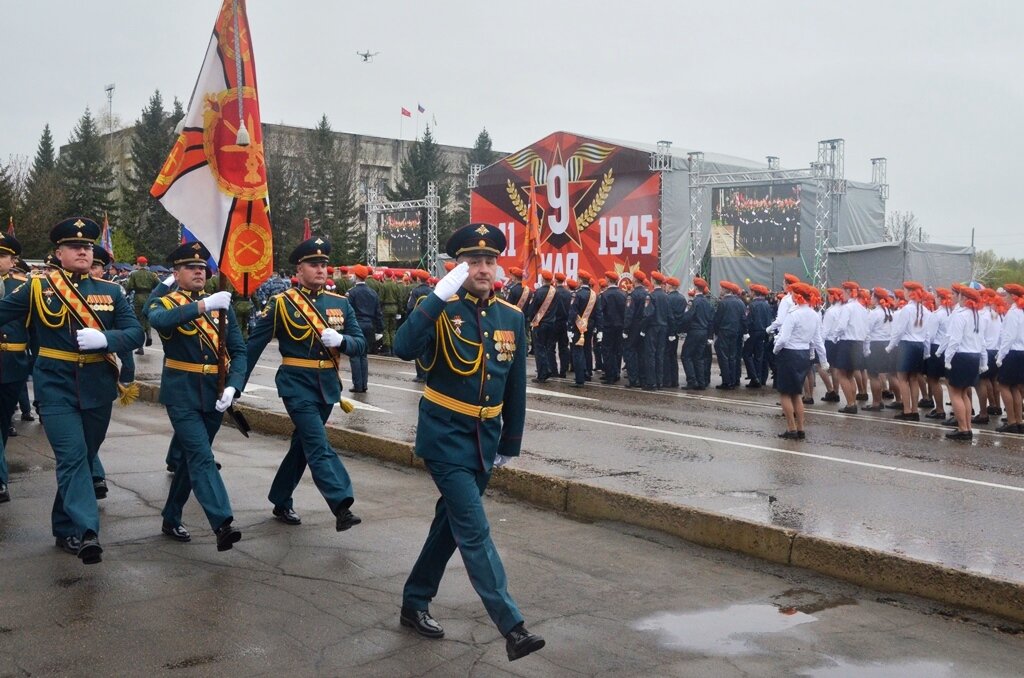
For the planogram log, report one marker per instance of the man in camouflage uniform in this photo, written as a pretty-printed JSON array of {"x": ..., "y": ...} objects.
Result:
[{"x": 140, "y": 284}]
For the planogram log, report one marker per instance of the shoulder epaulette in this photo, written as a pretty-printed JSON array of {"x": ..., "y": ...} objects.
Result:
[
  {"x": 512, "y": 306},
  {"x": 334, "y": 294},
  {"x": 109, "y": 282},
  {"x": 19, "y": 277}
]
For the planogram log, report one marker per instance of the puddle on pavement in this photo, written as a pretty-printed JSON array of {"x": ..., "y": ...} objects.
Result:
[
  {"x": 911, "y": 669},
  {"x": 727, "y": 631}
]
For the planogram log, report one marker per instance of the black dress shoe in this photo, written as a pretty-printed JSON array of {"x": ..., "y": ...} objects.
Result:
[
  {"x": 575, "y": 385},
  {"x": 227, "y": 536},
  {"x": 519, "y": 642},
  {"x": 807, "y": 400},
  {"x": 176, "y": 532},
  {"x": 980, "y": 419},
  {"x": 894, "y": 406},
  {"x": 140, "y": 351},
  {"x": 994, "y": 410},
  {"x": 99, "y": 487},
  {"x": 171, "y": 468},
  {"x": 925, "y": 402},
  {"x": 12, "y": 432},
  {"x": 69, "y": 544},
  {"x": 754, "y": 384},
  {"x": 287, "y": 516},
  {"x": 949, "y": 422},
  {"x": 849, "y": 409},
  {"x": 801, "y": 435},
  {"x": 5, "y": 494},
  {"x": 935, "y": 414},
  {"x": 960, "y": 435},
  {"x": 27, "y": 416},
  {"x": 908, "y": 416},
  {"x": 862, "y": 397},
  {"x": 538, "y": 380},
  {"x": 89, "y": 550},
  {"x": 888, "y": 394},
  {"x": 789, "y": 435},
  {"x": 1007, "y": 428},
  {"x": 421, "y": 622},
  {"x": 149, "y": 341},
  {"x": 346, "y": 520}
]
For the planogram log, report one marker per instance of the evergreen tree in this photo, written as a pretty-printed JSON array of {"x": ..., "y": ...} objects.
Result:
[
  {"x": 8, "y": 196},
  {"x": 481, "y": 154},
  {"x": 425, "y": 162},
  {"x": 45, "y": 160},
  {"x": 86, "y": 175},
  {"x": 44, "y": 203},
  {"x": 282, "y": 190},
  {"x": 148, "y": 224},
  {"x": 325, "y": 188}
]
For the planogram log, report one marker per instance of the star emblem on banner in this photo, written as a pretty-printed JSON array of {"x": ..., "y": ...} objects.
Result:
[{"x": 576, "y": 190}]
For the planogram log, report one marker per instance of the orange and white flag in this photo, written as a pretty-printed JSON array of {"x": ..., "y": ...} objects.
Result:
[{"x": 215, "y": 180}]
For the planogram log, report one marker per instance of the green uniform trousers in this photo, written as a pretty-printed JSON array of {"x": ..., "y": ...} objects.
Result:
[
  {"x": 75, "y": 437},
  {"x": 309, "y": 446},
  {"x": 194, "y": 431},
  {"x": 460, "y": 522}
]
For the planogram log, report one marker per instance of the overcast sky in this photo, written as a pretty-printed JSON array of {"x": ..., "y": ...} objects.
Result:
[{"x": 933, "y": 86}]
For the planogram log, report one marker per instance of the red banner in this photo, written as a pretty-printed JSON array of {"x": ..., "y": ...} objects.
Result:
[{"x": 598, "y": 205}]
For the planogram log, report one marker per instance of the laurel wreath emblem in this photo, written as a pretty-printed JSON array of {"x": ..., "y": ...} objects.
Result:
[
  {"x": 587, "y": 218},
  {"x": 517, "y": 200}
]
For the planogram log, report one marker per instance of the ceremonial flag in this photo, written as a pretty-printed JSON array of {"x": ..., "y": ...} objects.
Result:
[
  {"x": 10, "y": 226},
  {"x": 406, "y": 112},
  {"x": 106, "y": 242},
  {"x": 189, "y": 236},
  {"x": 420, "y": 108},
  {"x": 215, "y": 177},
  {"x": 531, "y": 245},
  {"x": 307, "y": 232}
]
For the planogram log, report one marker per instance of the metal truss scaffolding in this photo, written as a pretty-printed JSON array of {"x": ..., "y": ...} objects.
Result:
[
  {"x": 830, "y": 185},
  {"x": 375, "y": 206}
]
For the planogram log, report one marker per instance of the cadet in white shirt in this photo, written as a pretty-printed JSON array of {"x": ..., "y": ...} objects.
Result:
[
  {"x": 851, "y": 329},
  {"x": 1010, "y": 359},
  {"x": 908, "y": 334},
  {"x": 879, "y": 333},
  {"x": 965, "y": 357},
  {"x": 799, "y": 335},
  {"x": 936, "y": 328}
]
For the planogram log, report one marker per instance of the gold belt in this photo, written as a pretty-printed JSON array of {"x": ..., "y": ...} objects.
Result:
[
  {"x": 198, "y": 368},
  {"x": 71, "y": 356},
  {"x": 449, "y": 403},
  {"x": 308, "y": 363},
  {"x": 13, "y": 347}
]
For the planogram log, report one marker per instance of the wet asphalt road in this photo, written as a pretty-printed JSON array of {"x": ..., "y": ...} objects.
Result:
[{"x": 863, "y": 479}]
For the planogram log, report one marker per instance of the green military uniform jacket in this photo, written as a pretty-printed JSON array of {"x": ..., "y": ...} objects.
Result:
[
  {"x": 14, "y": 360},
  {"x": 66, "y": 385},
  {"x": 295, "y": 339},
  {"x": 185, "y": 332},
  {"x": 475, "y": 358},
  {"x": 142, "y": 281}
]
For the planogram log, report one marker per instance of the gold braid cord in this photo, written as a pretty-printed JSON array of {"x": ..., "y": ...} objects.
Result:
[
  {"x": 452, "y": 346},
  {"x": 588, "y": 216}
]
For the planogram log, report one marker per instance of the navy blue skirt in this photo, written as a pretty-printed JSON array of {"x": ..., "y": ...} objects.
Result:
[
  {"x": 1012, "y": 371},
  {"x": 791, "y": 368},
  {"x": 964, "y": 371},
  {"x": 911, "y": 357},
  {"x": 934, "y": 367},
  {"x": 992, "y": 372},
  {"x": 830, "y": 352},
  {"x": 849, "y": 355},
  {"x": 879, "y": 361}
]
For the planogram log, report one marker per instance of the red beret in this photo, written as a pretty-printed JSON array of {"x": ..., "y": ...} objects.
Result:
[
  {"x": 657, "y": 276},
  {"x": 547, "y": 275},
  {"x": 639, "y": 275},
  {"x": 700, "y": 282},
  {"x": 790, "y": 278},
  {"x": 560, "y": 277},
  {"x": 673, "y": 281},
  {"x": 142, "y": 260},
  {"x": 571, "y": 282},
  {"x": 611, "y": 275},
  {"x": 850, "y": 285}
]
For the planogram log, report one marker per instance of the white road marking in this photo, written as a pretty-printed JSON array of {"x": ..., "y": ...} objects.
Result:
[{"x": 765, "y": 448}]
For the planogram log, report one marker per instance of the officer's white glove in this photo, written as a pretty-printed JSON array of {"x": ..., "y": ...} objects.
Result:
[
  {"x": 332, "y": 338},
  {"x": 888, "y": 349},
  {"x": 711, "y": 342},
  {"x": 600, "y": 336},
  {"x": 983, "y": 366},
  {"x": 746, "y": 336},
  {"x": 90, "y": 339},
  {"x": 867, "y": 350},
  {"x": 772, "y": 330},
  {"x": 226, "y": 398},
  {"x": 999, "y": 363},
  {"x": 398, "y": 316},
  {"x": 625, "y": 336},
  {"x": 500, "y": 461},
  {"x": 218, "y": 301},
  {"x": 378, "y": 337},
  {"x": 169, "y": 280},
  {"x": 673, "y": 338},
  {"x": 452, "y": 281},
  {"x": 825, "y": 366},
  {"x": 643, "y": 334},
  {"x": 568, "y": 334},
  {"x": 949, "y": 365}
]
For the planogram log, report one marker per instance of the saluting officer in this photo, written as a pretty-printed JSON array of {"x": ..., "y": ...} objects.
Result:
[
  {"x": 79, "y": 321},
  {"x": 14, "y": 361},
  {"x": 471, "y": 418},
  {"x": 313, "y": 328},
  {"x": 187, "y": 322}
]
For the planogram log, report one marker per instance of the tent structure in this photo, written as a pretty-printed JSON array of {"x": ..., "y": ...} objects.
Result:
[{"x": 890, "y": 264}]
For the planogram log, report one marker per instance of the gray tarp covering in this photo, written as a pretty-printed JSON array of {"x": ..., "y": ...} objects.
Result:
[{"x": 889, "y": 264}]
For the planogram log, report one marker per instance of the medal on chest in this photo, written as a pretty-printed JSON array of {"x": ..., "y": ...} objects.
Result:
[
  {"x": 504, "y": 345},
  {"x": 457, "y": 323}
]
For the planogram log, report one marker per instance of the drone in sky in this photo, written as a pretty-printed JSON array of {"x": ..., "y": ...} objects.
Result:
[{"x": 367, "y": 56}]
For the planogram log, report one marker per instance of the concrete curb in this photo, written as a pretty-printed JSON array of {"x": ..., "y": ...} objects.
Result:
[{"x": 873, "y": 569}]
